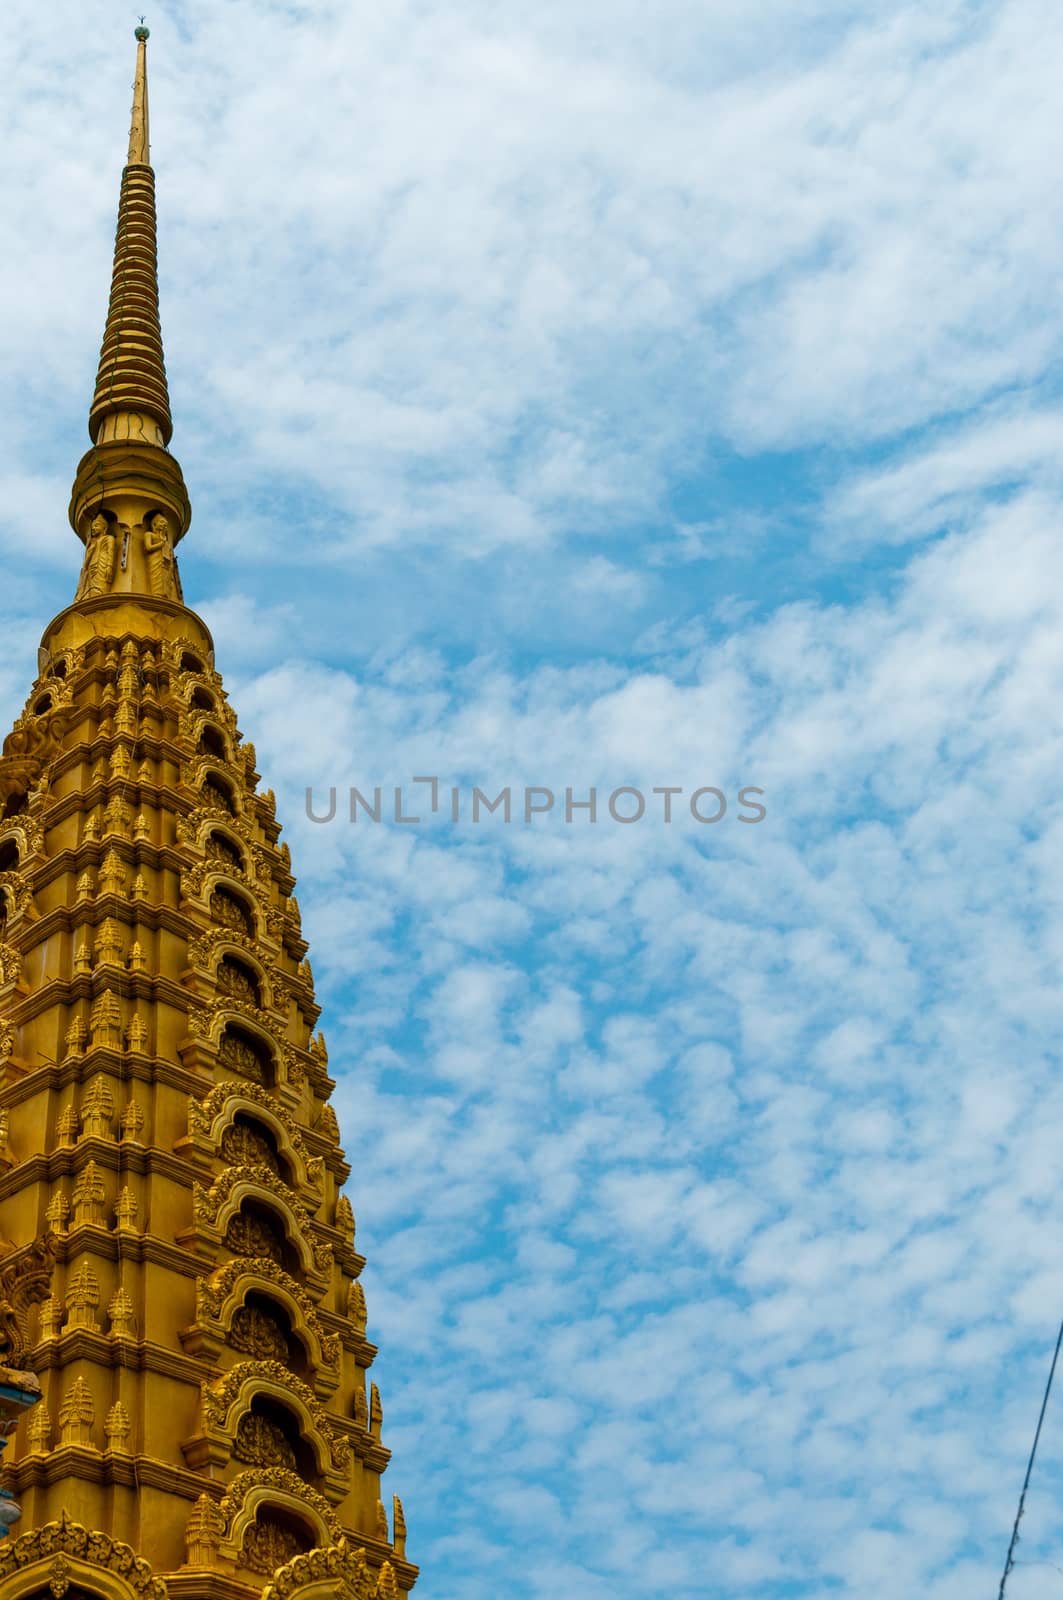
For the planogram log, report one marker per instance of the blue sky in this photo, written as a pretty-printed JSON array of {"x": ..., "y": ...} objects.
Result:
[{"x": 613, "y": 395}]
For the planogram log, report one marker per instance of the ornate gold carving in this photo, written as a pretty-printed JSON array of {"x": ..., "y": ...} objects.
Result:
[
  {"x": 382, "y": 1523},
  {"x": 328, "y": 1125},
  {"x": 10, "y": 965},
  {"x": 56, "y": 1213},
  {"x": 220, "y": 1396},
  {"x": 361, "y": 1410},
  {"x": 137, "y": 1034},
  {"x": 109, "y": 945},
  {"x": 77, "y": 1414},
  {"x": 241, "y": 1144},
  {"x": 59, "y": 1576},
  {"x": 281, "y": 1481},
  {"x": 120, "y": 1312},
  {"x": 97, "y": 1111},
  {"x": 95, "y": 1549},
  {"x": 263, "y": 1443},
  {"x": 82, "y": 1298},
  {"x": 356, "y": 1308},
  {"x": 25, "y": 1280},
  {"x": 387, "y": 1588},
  {"x": 106, "y": 1021},
  {"x": 234, "y": 980},
  {"x": 376, "y": 1411},
  {"x": 203, "y": 1531},
  {"x": 398, "y": 1522},
  {"x": 51, "y": 1318},
  {"x": 132, "y": 1122},
  {"x": 208, "y": 1203},
  {"x": 237, "y": 1053},
  {"x": 341, "y": 1566},
  {"x": 344, "y": 1219},
  {"x": 30, "y": 748},
  {"x": 268, "y": 1545},
  {"x": 125, "y": 1210},
  {"x": 39, "y": 1431},
  {"x": 89, "y": 1195},
  {"x": 257, "y": 1334},
  {"x": 75, "y": 1037},
  {"x": 118, "y": 1428},
  {"x": 218, "y": 848},
  {"x": 254, "y": 1095},
  {"x": 232, "y": 912},
  {"x": 214, "y": 1291},
  {"x": 251, "y": 1236}
]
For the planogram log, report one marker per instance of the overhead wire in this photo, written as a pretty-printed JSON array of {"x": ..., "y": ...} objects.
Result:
[{"x": 1010, "y": 1558}]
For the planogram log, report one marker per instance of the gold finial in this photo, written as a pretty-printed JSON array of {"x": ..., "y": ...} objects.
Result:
[
  {"x": 139, "y": 148},
  {"x": 129, "y": 473}
]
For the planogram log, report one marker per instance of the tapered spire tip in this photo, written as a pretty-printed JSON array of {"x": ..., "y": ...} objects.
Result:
[{"x": 139, "y": 147}]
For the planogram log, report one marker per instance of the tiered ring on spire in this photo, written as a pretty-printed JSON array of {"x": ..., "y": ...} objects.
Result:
[{"x": 130, "y": 423}]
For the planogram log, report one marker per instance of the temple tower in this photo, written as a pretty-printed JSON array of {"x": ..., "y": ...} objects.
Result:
[{"x": 177, "y": 1259}]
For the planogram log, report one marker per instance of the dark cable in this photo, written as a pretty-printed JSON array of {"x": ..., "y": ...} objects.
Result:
[{"x": 1010, "y": 1562}]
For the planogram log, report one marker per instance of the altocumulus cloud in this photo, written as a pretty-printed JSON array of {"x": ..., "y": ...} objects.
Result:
[{"x": 540, "y": 380}]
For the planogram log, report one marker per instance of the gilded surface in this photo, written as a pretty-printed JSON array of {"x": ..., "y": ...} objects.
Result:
[{"x": 164, "y": 1111}]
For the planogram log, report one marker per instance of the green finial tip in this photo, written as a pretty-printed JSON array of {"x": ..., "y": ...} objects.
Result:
[{"x": 142, "y": 32}]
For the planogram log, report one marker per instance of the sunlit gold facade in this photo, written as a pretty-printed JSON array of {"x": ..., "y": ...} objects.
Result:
[{"x": 177, "y": 1263}]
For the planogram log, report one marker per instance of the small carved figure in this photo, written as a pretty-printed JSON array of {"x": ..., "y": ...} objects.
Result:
[
  {"x": 97, "y": 574},
  {"x": 138, "y": 1034},
  {"x": 158, "y": 546}
]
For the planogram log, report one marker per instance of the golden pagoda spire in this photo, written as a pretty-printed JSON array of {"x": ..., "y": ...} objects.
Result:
[
  {"x": 139, "y": 143},
  {"x": 129, "y": 475},
  {"x": 178, "y": 1265}
]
